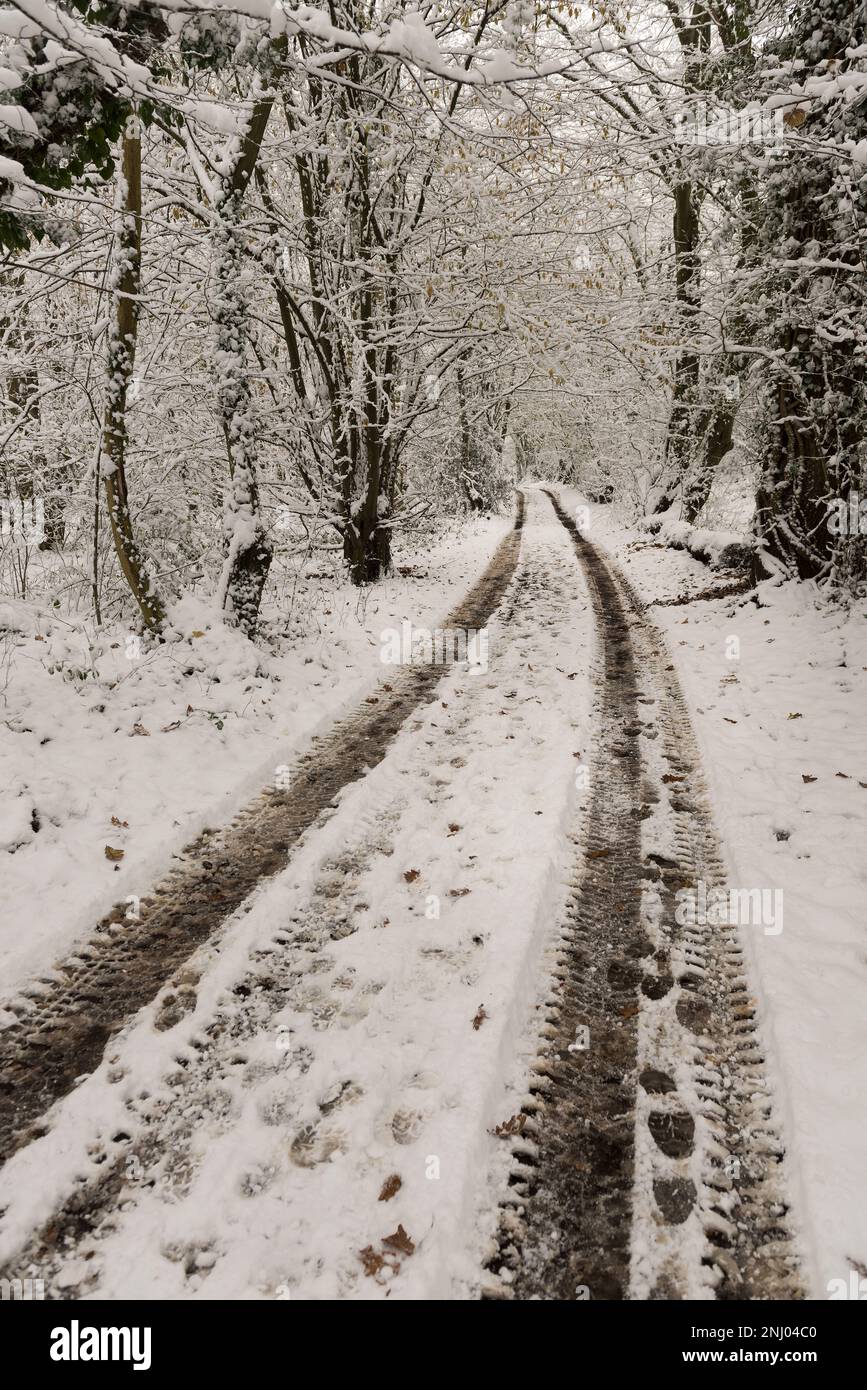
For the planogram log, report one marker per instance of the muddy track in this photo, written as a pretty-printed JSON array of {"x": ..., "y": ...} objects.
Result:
[
  {"x": 649, "y": 1165},
  {"x": 63, "y": 1025}
]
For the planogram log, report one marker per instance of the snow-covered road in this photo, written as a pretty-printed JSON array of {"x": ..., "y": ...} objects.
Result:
[
  {"x": 361, "y": 1023},
  {"x": 463, "y": 1043}
]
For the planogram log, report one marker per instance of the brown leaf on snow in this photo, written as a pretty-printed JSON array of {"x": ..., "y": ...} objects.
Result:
[
  {"x": 673, "y": 777},
  {"x": 459, "y": 892},
  {"x": 411, "y": 875},
  {"x": 598, "y": 853},
  {"x": 453, "y": 827},
  {"x": 197, "y": 632},
  {"x": 124, "y": 824},
  {"x": 399, "y": 1240},
  {"x": 141, "y": 730},
  {"x": 167, "y": 728},
  {"x": 734, "y": 721},
  {"x": 794, "y": 716},
  {"x": 514, "y": 1125},
  {"x": 480, "y": 1017},
  {"x": 372, "y": 1260},
  {"x": 391, "y": 1185},
  {"x": 113, "y": 854},
  {"x": 805, "y": 777},
  {"x": 843, "y": 774}
]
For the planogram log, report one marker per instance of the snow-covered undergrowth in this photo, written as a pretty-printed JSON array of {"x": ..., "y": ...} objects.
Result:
[
  {"x": 719, "y": 549},
  {"x": 777, "y": 685},
  {"x": 110, "y": 741}
]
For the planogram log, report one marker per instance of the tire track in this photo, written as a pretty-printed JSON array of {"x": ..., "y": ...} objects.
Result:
[
  {"x": 301, "y": 998},
  {"x": 63, "y": 1025},
  {"x": 649, "y": 1165}
]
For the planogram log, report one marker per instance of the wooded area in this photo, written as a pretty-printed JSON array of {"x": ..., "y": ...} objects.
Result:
[{"x": 281, "y": 282}]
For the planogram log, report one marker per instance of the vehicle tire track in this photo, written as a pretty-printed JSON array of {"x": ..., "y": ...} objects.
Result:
[
  {"x": 65, "y": 1020},
  {"x": 301, "y": 999},
  {"x": 649, "y": 1165}
]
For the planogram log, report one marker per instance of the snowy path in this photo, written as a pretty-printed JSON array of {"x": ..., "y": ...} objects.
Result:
[
  {"x": 339, "y": 1035},
  {"x": 310, "y": 1107},
  {"x": 63, "y": 1020},
  {"x": 653, "y": 1171}
]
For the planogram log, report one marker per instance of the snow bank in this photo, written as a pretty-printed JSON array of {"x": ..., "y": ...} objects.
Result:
[{"x": 719, "y": 549}]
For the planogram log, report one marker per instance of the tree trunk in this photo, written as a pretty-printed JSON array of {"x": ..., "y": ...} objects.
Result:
[
  {"x": 465, "y": 458},
  {"x": 121, "y": 360},
  {"x": 680, "y": 438},
  {"x": 249, "y": 550},
  {"x": 367, "y": 549},
  {"x": 792, "y": 495},
  {"x": 715, "y": 442}
]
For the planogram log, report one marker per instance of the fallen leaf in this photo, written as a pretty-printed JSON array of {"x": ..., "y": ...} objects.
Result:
[
  {"x": 805, "y": 777},
  {"x": 598, "y": 853},
  {"x": 794, "y": 119},
  {"x": 630, "y": 1011},
  {"x": 141, "y": 730},
  {"x": 453, "y": 827},
  {"x": 843, "y": 774},
  {"x": 372, "y": 700},
  {"x": 480, "y": 1018},
  {"x": 399, "y": 1240},
  {"x": 112, "y": 853},
  {"x": 167, "y": 728},
  {"x": 515, "y": 1125},
  {"x": 459, "y": 892},
  {"x": 412, "y": 874},
  {"x": 372, "y": 1260},
  {"x": 197, "y": 633},
  {"x": 729, "y": 721},
  {"x": 673, "y": 777},
  {"x": 391, "y": 1185},
  {"x": 123, "y": 823},
  {"x": 794, "y": 716}
]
